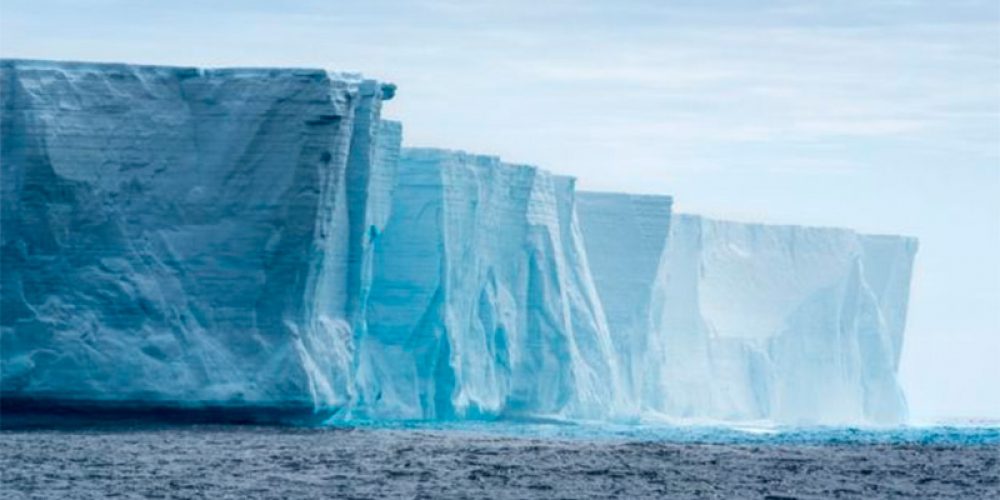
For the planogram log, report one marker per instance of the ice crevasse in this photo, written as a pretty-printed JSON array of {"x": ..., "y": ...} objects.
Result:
[{"x": 257, "y": 238}]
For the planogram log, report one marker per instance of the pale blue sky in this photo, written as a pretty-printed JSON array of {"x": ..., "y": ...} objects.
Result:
[{"x": 881, "y": 116}]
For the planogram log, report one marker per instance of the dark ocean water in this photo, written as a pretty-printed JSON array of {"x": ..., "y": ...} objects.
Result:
[{"x": 497, "y": 461}]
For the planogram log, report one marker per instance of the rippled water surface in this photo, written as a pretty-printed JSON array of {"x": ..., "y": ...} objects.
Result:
[{"x": 498, "y": 461}]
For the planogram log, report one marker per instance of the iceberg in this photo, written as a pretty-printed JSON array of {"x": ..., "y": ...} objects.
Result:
[
  {"x": 481, "y": 303},
  {"x": 625, "y": 237},
  {"x": 752, "y": 322},
  {"x": 258, "y": 239},
  {"x": 787, "y": 324},
  {"x": 182, "y": 235}
]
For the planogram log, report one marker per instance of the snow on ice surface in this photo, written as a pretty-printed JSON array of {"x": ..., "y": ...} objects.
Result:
[{"x": 255, "y": 237}]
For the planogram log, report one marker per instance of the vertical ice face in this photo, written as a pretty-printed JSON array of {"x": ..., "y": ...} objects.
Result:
[
  {"x": 726, "y": 321},
  {"x": 626, "y": 236},
  {"x": 372, "y": 194},
  {"x": 254, "y": 237},
  {"x": 781, "y": 323},
  {"x": 481, "y": 302},
  {"x": 180, "y": 234}
]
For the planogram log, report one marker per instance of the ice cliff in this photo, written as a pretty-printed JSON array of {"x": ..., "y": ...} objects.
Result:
[
  {"x": 781, "y": 323},
  {"x": 729, "y": 321},
  {"x": 181, "y": 234},
  {"x": 481, "y": 302},
  {"x": 257, "y": 238},
  {"x": 625, "y": 239}
]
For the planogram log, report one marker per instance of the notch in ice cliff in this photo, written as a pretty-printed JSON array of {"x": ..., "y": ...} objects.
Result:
[{"x": 256, "y": 238}]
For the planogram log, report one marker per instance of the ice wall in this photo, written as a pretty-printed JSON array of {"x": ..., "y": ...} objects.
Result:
[
  {"x": 783, "y": 323},
  {"x": 481, "y": 303},
  {"x": 177, "y": 234},
  {"x": 626, "y": 235},
  {"x": 752, "y": 322},
  {"x": 254, "y": 238}
]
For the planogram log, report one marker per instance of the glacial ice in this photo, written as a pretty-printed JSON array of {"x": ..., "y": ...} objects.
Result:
[
  {"x": 752, "y": 322},
  {"x": 725, "y": 321},
  {"x": 625, "y": 236},
  {"x": 258, "y": 238},
  {"x": 180, "y": 234},
  {"x": 481, "y": 302}
]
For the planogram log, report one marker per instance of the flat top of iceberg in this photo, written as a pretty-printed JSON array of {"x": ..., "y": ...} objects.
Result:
[
  {"x": 681, "y": 217},
  {"x": 418, "y": 154},
  {"x": 109, "y": 68},
  {"x": 613, "y": 195}
]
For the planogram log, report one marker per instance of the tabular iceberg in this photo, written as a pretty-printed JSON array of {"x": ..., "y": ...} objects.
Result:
[
  {"x": 781, "y": 323},
  {"x": 625, "y": 237},
  {"x": 180, "y": 234},
  {"x": 481, "y": 302},
  {"x": 257, "y": 238},
  {"x": 751, "y": 322}
]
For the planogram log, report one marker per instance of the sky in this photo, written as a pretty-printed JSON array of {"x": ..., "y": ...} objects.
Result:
[{"x": 882, "y": 116}]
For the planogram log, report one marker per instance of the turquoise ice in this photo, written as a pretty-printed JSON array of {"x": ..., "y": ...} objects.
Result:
[{"x": 257, "y": 238}]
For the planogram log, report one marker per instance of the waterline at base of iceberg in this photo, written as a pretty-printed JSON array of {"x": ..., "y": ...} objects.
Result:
[
  {"x": 700, "y": 433},
  {"x": 24, "y": 414}
]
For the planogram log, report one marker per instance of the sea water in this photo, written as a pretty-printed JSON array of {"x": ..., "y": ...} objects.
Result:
[{"x": 496, "y": 460}]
